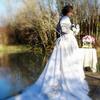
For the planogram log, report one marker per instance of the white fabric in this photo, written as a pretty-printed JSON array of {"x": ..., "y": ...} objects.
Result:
[
  {"x": 66, "y": 26},
  {"x": 63, "y": 75},
  {"x": 90, "y": 58},
  {"x": 76, "y": 29}
]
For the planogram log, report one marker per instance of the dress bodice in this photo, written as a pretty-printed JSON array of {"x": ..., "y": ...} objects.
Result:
[{"x": 65, "y": 26}]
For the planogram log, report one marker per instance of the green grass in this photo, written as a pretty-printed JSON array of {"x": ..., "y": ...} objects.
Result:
[{"x": 14, "y": 48}]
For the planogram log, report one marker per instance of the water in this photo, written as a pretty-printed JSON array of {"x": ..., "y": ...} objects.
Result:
[
  {"x": 20, "y": 70},
  {"x": 17, "y": 71}
]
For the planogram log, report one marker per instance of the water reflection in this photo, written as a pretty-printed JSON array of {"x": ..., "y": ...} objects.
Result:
[{"x": 17, "y": 71}]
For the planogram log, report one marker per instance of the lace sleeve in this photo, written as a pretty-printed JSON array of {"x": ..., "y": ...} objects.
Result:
[{"x": 66, "y": 25}]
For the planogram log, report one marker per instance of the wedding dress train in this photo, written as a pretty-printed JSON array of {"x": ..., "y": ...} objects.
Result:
[{"x": 63, "y": 76}]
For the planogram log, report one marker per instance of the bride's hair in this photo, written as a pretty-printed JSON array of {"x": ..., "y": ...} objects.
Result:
[{"x": 66, "y": 9}]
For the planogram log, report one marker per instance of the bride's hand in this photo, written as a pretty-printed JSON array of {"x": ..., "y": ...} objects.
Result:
[
  {"x": 75, "y": 29},
  {"x": 77, "y": 26}
]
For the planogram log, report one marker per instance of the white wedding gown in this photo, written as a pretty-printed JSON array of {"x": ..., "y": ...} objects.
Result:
[{"x": 63, "y": 76}]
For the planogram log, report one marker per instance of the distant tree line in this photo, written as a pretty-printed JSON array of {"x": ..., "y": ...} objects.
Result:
[{"x": 36, "y": 21}]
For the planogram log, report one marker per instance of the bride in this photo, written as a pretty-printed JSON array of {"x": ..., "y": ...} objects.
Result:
[{"x": 63, "y": 76}]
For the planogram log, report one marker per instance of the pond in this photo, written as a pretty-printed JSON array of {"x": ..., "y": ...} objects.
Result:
[
  {"x": 20, "y": 70},
  {"x": 17, "y": 71}
]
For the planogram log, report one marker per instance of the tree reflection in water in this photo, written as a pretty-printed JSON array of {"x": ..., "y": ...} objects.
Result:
[{"x": 17, "y": 71}]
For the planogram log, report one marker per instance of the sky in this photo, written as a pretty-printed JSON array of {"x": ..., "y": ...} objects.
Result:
[
  {"x": 8, "y": 8},
  {"x": 2, "y": 7}
]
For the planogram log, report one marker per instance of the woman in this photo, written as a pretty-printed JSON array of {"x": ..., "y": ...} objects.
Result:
[{"x": 63, "y": 76}]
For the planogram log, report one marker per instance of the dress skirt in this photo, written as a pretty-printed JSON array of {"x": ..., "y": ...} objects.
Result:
[{"x": 63, "y": 77}]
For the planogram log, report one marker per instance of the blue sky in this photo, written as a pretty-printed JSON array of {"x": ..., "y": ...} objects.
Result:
[
  {"x": 14, "y": 4},
  {"x": 2, "y": 7},
  {"x": 2, "y": 11},
  {"x": 6, "y": 10}
]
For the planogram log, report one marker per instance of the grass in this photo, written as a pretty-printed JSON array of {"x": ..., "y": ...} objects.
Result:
[{"x": 14, "y": 48}]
